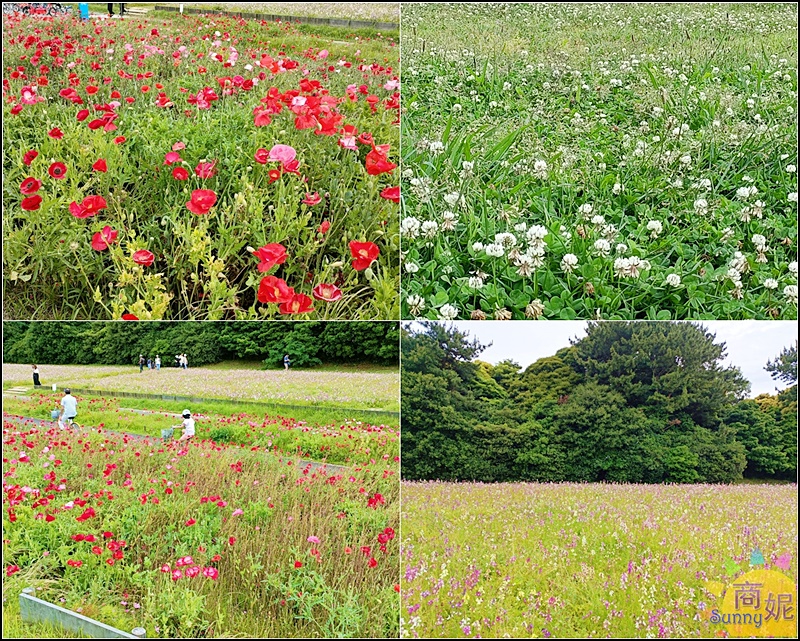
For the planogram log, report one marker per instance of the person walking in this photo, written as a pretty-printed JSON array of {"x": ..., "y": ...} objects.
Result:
[
  {"x": 122, "y": 9},
  {"x": 141, "y": 363},
  {"x": 110, "y": 9},
  {"x": 185, "y": 362},
  {"x": 36, "y": 382},
  {"x": 149, "y": 363},
  {"x": 158, "y": 363},
  {"x": 286, "y": 361},
  {"x": 69, "y": 409}
]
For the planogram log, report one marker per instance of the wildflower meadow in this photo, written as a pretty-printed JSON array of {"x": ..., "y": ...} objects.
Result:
[
  {"x": 599, "y": 161},
  {"x": 539, "y": 560},
  {"x": 198, "y": 167}
]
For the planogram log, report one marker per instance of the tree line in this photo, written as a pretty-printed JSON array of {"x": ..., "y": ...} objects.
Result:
[
  {"x": 309, "y": 343},
  {"x": 630, "y": 402}
]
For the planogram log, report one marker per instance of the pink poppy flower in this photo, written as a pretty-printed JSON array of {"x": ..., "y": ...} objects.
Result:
[{"x": 282, "y": 153}]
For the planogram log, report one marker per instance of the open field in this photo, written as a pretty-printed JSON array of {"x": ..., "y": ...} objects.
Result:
[
  {"x": 601, "y": 160},
  {"x": 353, "y": 389},
  {"x": 530, "y": 560}
]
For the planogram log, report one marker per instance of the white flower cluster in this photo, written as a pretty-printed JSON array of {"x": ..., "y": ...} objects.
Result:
[{"x": 630, "y": 267}]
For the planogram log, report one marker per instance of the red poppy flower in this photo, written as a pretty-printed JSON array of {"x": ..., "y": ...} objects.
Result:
[
  {"x": 100, "y": 165},
  {"x": 377, "y": 162},
  {"x": 190, "y": 522},
  {"x": 96, "y": 549},
  {"x": 13, "y": 569},
  {"x": 312, "y": 199},
  {"x": 274, "y": 290},
  {"x": 202, "y": 201},
  {"x": 299, "y": 304},
  {"x": 56, "y": 133},
  {"x": 143, "y": 257},
  {"x": 49, "y": 518},
  {"x": 102, "y": 239},
  {"x": 31, "y": 203},
  {"x": 274, "y": 174},
  {"x": 363, "y": 254},
  {"x": 297, "y": 564},
  {"x": 30, "y": 186},
  {"x": 119, "y": 140},
  {"x": 82, "y": 115},
  {"x": 327, "y": 292},
  {"x": 262, "y": 156},
  {"x": 372, "y": 562},
  {"x": 270, "y": 255},
  {"x": 172, "y": 157},
  {"x": 179, "y": 173},
  {"x": 89, "y": 207},
  {"x": 57, "y": 170},
  {"x": 130, "y": 317},
  {"x": 325, "y": 225},
  {"x": 391, "y": 193},
  {"x": 74, "y": 563},
  {"x": 206, "y": 169},
  {"x": 29, "y": 157}
]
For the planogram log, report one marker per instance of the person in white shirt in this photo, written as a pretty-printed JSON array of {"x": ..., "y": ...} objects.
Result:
[
  {"x": 187, "y": 426},
  {"x": 69, "y": 409}
]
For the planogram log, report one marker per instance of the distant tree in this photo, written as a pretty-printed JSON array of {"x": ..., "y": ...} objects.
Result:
[{"x": 784, "y": 367}]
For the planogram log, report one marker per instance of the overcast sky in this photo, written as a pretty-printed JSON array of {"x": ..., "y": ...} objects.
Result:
[{"x": 750, "y": 344}]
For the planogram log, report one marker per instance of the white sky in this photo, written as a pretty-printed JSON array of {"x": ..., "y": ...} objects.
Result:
[{"x": 749, "y": 344}]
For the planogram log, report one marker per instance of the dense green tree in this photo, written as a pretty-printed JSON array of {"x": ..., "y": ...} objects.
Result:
[{"x": 784, "y": 367}]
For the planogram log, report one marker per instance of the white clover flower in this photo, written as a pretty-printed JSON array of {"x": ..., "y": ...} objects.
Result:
[
  {"x": 678, "y": 183},
  {"x": 448, "y": 312},
  {"x": 621, "y": 267},
  {"x": 585, "y": 210},
  {"x": 569, "y": 262},
  {"x": 771, "y": 283},
  {"x": 621, "y": 248},
  {"x": 495, "y": 250},
  {"x": 791, "y": 169},
  {"x": 525, "y": 265},
  {"x": 430, "y": 228},
  {"x": 540, "y": 169},
  {"x": 416, "y": 304},
  {"x": 734, "y": 275},
  {"x": 535, "y": 254},
  {"x": 475, "y": 282},
  {"x": 739, "y": 262},
  {"x": 534, "y": 309},
  {"x": 602, "y": 247},
  {"x": 520, "y": 228},
  {"x": 792, "y": 197},
  {"x": 436, "y": 147},
  {"x": 536, "y": 233},
  {"x": 701, "y": 206},
  {"x": 703, "y": 183},
  {"x": 634, "y": 265},
  {"x": 454, "y": 198},
  {"x": 449, "y": 220},
  {"x": 655, "y": 228},
  {"x": 790, "y": 291},
  {"x": 411, "y": 267},
  {"x": 477, "y": 246},
  {"x": 759, "y": 242},
  {"x": 506, "y": 239},
  {"x": 673, "y": 280},
  {"x": 566, "y": 233},
  {"x": 792, "y": 267},
  {"x": 598, "y": 220},
  {"x": 457, "y": 107},
  {"x": 409, "y": 227},
  {"x": 743, "y": 193},
  {"x": 617, "y": 189},
  {"x": 686, "y": 159}
]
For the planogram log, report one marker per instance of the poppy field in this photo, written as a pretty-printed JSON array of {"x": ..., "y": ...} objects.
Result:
[
  {"x": 599, "y": 161},
  {"x": 306, "y": 433},
  {"x": 198, "y": 168},
  {"x": 527, "y": 560},
  {"x": 201, "y": 539}
]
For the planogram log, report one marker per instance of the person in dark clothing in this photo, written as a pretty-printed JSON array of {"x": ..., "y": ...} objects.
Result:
[
  {"x": 110, "y": 9},
  {"x": 141, "y": 363},
  {"x": 122, "y": 8},
  {"x": 36, "y": 382}
]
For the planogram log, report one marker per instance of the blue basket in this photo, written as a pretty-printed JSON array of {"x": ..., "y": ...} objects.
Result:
[
  {"x": 55, "y": 414},
  {"x": 166, "y": 434}
]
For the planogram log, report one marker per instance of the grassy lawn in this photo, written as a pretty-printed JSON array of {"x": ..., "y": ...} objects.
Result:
[{"x": 609, "y": 161}]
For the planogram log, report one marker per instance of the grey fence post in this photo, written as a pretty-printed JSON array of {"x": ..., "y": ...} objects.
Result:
[{"x": 141, "y": 632}]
